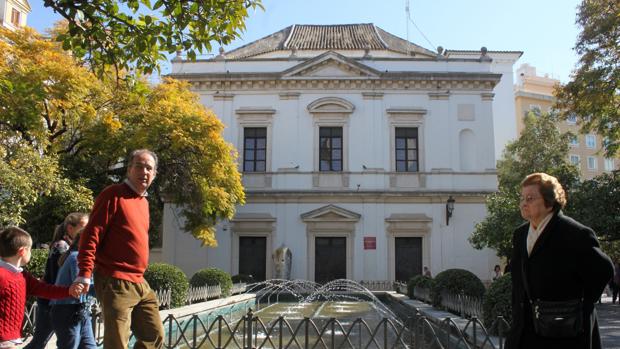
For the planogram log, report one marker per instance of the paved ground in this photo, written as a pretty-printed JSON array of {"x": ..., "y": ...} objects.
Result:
[{"x": 609, "y": 323}]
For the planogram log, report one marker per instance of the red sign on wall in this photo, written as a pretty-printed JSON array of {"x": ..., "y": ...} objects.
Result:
[{"x": 370, "y": 243}]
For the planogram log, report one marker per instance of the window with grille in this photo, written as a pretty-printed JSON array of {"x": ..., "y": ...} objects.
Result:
[
  {"x": 254, "y": 149},
  {"x": 330, "y": 148},
  {"x": 406, "y": 141}
]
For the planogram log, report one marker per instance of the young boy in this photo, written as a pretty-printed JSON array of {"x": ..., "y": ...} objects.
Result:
[{"x": 16, "y": 284}]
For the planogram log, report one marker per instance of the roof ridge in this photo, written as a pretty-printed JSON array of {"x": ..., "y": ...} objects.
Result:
[{"x": 290, "y": 34}]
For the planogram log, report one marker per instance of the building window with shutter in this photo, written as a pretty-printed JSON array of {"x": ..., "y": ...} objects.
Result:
[
  {"x": 406, "y": 141},
  {"x": 574, "y": 159},
  {"x": 609, "y": 165},
  {"x": 330, "y": 148},
  {"x": 591, "y": 163},
  {"x": 15, "y": 17},
  {"x": 254, "y": 149}
]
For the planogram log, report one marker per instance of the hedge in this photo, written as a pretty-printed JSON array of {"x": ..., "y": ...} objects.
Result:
[
  {"x": 211, "y": 277},
  {"x": 248, "y": 279},
  {"x": 498, "y": 301},
  {"x": 36, "y": 266},
  {"x": 457, "y": 281},
  {"x": 162, "y": 276},
  {"x": 418, "y": 280}
]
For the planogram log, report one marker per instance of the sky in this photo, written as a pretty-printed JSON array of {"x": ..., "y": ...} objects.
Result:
[{"x": 544, "y": 30}]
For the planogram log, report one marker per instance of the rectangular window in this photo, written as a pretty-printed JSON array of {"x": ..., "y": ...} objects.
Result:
[
  {"x": 591, "y": 163},
  {"x": 330, "y": 148},
  {"x": 574, "y": 159},
  {"x": 609, "y": 165},
  {"x": 254, "y": 149},
  {"x": 571, "y": 119},
  {"x": 591, "y": 141},
  {"x": 406, "y": 141},
  {"x": 574, "y": 141},
  {"x": 15, "y": 17}
]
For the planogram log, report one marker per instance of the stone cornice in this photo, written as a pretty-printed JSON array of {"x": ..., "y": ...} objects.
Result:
[
  {"x": 418, "y": 84},
  {"x": 384, "y": 197}
]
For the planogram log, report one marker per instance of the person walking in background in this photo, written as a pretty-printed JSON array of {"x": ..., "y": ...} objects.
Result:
[
  {"x": 71, "y": 317},
  {"x": 497, "y": 272},
  {"x": 115, "y": 246},
  {"x": 64, "y": 235},
  {"x": 555, "y": 259},
  {"x": 16, "y": 284},
  {"x": 427, "y": 272}
]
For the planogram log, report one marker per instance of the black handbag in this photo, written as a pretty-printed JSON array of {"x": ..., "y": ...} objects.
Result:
[{"x": 555, "y": 319}]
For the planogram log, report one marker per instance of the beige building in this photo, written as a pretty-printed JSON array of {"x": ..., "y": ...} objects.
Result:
[
  {"x": 535, "y": 93},
  {"x": 13, "y": 13}
]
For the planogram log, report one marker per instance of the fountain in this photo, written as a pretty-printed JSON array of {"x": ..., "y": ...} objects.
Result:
[{"x": 304, "y": 314}]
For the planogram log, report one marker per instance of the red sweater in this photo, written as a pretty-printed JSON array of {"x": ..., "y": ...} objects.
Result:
[
  {"x": 13, "y": 290},
  {"x": 115, "y": 242}
]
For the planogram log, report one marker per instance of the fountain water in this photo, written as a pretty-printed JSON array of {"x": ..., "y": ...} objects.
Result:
[{"x": 304, "y": 314}]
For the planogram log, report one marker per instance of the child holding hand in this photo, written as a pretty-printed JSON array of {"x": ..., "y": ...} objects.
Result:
[{"x": 16, "y": 284}]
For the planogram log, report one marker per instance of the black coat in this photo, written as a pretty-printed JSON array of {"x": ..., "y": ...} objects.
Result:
[{"x": 566, "y": 263}]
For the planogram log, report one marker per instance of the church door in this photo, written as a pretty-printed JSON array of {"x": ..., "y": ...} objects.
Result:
[
  {"x": 330, "y": 259},
  {"x": 253, "y": 256},
  {"x": 408, "y": 257}
]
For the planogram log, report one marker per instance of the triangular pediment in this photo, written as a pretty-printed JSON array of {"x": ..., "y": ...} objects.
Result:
[
  {"x": 331, "y": 213},
  {"x": 331, "y": 65}
]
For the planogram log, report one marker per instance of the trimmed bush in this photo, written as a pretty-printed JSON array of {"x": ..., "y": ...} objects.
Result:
[
  {"x": 498, "y": 300},
  {"x": 248, "y": 279},
  {"x": 212, "y": 277},
  {"x": 457, "y": 281},
  {"x": 36, "y": 266},
  {"x": 420, "y": 281},
  {"x": 162, "y": 276}
]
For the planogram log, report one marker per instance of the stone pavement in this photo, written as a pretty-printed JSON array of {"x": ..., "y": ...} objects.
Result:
[{"x": 609, "y": 323}]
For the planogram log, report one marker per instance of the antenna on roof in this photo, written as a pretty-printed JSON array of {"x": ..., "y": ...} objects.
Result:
[{"x": 407, "y": 17}]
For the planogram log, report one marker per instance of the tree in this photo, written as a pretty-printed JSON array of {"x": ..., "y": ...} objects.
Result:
[
  {"x": 540, "y": 148},
  {"x": 41, "y": 104},
  {"x": 593, "y": 94},
  {"x": 57, "y": 115},
  {"x": 595, "y": 203},
  {"x": 132, "y": 35}
]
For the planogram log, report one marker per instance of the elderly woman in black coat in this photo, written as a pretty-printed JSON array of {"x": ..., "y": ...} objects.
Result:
[{"x": 555, "y": 259}]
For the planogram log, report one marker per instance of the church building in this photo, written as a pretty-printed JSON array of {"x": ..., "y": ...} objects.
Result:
[{"x": 367, "y": 156}]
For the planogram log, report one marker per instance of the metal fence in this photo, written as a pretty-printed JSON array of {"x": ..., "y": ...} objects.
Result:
[
  {"x": 465, "y": 306},
  {"x": 249, "y": 331}
]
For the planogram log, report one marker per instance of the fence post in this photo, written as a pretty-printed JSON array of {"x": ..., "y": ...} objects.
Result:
[
  {"x": 475, "y": 320},
  {"x": 248, "y": 324}
]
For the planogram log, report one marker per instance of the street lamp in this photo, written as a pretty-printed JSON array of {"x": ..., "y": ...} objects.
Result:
[{"x": 449, "y": 209}]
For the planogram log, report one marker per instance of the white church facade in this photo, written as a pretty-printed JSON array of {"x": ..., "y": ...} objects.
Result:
[{"x": 366, "y": 155}]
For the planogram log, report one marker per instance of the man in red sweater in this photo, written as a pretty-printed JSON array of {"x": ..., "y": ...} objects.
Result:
[
  {"x": 16, "y": 284},
  {"x": 115, "y": 247}
]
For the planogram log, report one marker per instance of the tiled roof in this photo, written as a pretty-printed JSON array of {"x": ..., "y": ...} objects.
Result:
[
  {"x": 335, "y": 37},
  {"x": 328, "y": 37}
]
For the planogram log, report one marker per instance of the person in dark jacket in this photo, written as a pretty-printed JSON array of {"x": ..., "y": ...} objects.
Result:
[{"x": 561, "y": 260}]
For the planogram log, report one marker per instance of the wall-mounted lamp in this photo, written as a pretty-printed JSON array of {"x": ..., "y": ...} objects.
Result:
[{"x": 449, "y": 209}]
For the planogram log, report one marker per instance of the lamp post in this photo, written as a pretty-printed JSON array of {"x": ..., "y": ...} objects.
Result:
[{"x": 449, "y": 209}]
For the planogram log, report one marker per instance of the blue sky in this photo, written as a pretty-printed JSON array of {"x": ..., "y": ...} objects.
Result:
[{"x": 544, "y": 30}]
